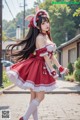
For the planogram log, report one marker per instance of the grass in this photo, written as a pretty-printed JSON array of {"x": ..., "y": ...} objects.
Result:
[
  {"x": 6, "y": 81},
  {"x": 6, "y": 85}
]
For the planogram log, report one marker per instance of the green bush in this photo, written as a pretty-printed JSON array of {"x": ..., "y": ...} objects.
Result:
[
  {"x": 77, "y": 64},
  {"x": 69, "y": 77},
  {"x": 77, "y": 70},
  {"x": 5, "y": 78},
  {"x": 71, "y": 69},
  {"x": 77, "y": 75}
]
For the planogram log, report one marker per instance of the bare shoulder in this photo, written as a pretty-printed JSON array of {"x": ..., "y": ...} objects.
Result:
[
  {"x": 40, "y": 41},
  {"x": 40, "y": 38}
]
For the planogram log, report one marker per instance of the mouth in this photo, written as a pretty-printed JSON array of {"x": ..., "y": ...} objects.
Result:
[{"x": 47, "y": 28}]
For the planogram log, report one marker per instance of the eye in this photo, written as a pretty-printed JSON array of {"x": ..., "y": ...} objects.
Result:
[
  {"x": 43, "y": 23},
  {"x": 47, "y": 21}
]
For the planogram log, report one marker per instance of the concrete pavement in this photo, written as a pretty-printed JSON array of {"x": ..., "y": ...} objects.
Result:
[{"x": 53, "y": 107}]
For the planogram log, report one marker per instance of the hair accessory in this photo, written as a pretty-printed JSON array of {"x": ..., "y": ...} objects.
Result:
[
  {"x": 40, "y": 12},
  {"x": 30, "y": 19},
  {"x": 33, "y": 18}
]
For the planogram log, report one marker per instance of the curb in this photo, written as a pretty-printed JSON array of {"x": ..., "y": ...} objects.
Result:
[
  {"x": 8, "y": 91},
  {"x": 52, "y": 92},
  {"x": 7, "y": 88}
]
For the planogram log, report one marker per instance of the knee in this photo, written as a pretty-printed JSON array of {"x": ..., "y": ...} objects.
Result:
[{"x": 40, "y": 97}]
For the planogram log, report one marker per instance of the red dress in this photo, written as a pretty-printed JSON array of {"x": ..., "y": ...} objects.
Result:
[{"x": 33, "y": 72}]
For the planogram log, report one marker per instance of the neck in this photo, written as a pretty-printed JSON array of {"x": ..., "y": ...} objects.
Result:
[{"x": 43, "y": 33}]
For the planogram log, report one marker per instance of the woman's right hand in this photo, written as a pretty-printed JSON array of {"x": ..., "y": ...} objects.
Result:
[{"x": 54, "y": 74}]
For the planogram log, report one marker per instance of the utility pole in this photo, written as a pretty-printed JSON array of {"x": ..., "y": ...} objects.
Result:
[
  {"x": 24, "y": 17},
  {"x": 24, "y": 21},
  {"x": 1, "y": 85}
]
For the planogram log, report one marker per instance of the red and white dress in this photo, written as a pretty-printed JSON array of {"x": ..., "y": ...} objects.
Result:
[{"x": 34, "y": 72}]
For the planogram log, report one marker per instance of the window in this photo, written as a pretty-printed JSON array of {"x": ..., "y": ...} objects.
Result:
[{"x": 72, "y": 55}]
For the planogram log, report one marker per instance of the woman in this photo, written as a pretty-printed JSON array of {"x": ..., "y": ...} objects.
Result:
[{"x": 34, "y": 69}]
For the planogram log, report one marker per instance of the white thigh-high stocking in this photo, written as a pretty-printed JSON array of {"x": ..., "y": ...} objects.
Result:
[
  {"x": 35, "y": 114},
  {"x": 32, "y": 107}
]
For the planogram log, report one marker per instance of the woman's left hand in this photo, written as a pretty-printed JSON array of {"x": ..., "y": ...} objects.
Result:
[{"x": 66, "y": 70}]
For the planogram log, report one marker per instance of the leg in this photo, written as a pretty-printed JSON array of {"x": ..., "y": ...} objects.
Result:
[
  {"x": 34, "y": 104},
  {"x": 40, "y": 95},
  {"x": 33, "y": 95},
  {"x": 35, "y": 113}
]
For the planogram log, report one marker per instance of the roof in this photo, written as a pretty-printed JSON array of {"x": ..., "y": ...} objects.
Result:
[{"x": 76, "y": 38}]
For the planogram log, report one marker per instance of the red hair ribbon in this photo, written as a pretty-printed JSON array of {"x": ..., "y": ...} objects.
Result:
[{"x": 31, "y": 24}]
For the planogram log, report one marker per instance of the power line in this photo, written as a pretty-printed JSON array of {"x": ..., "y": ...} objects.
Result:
[
  {"x": 13, "y": 4},
  {"x": 18, "y": 4},
  {"x": 9, "y": 9},
  {"x": 24, "y": 17}
]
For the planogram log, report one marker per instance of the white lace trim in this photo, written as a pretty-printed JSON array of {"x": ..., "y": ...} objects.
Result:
[
  {"x": 42, "y": 54},
  {"x": 15, "y": 78},
  {"x": 50, "y": 47},
  {"x": 63, "y": 71}
]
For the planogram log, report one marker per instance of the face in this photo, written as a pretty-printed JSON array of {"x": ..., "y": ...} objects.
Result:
[{"x": 45, "y": 25}]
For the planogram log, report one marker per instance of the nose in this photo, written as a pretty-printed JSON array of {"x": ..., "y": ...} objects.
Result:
[{"x": 46, "y": 23}]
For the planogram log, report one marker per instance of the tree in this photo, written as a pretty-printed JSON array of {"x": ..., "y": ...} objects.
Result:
[
  {"x": 73, "y": 8},
  {"x": 4, "y": 38},
  {"x": 63, "y": 24},
  {"x": 76, "y": 13},
  {"x": 10, "y": 27},
  {"x": 37, "y": 2}
]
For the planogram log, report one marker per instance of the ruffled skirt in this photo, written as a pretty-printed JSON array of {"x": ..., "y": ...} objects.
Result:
[{"x": 32, "y": 73}]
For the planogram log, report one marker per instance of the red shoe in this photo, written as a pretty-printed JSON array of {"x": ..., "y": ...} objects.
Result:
[{"x": 21, "y": 118}]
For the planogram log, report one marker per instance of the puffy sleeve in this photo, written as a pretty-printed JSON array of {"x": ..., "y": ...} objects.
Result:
[{"x": 42, "y": 51}]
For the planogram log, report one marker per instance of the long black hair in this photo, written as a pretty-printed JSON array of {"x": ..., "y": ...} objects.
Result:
[{"x": 28, "y": 43}]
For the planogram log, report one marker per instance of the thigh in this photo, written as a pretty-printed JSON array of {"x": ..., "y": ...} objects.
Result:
[
  {"x": 33, "y": 94},
  {"x": 40, "y": 95}
]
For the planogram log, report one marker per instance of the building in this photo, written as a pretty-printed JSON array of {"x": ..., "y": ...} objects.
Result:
[{"x": 69, "y": 51}]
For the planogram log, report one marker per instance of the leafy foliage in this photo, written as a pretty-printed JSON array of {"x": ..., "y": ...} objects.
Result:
[
  {"x": 63, "y": 19},
  {"x": 77, "y": 70},
  {"x": 69, "y": 77},
  {"x": 77, "y": 75},
  {"x": 5, "y": 78},
  {"x": 71, "y": 69},
  {"x": 77, "y": 13}
]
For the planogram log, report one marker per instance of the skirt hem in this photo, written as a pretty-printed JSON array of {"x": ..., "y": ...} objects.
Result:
[{"x": 18, "y": 81}]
